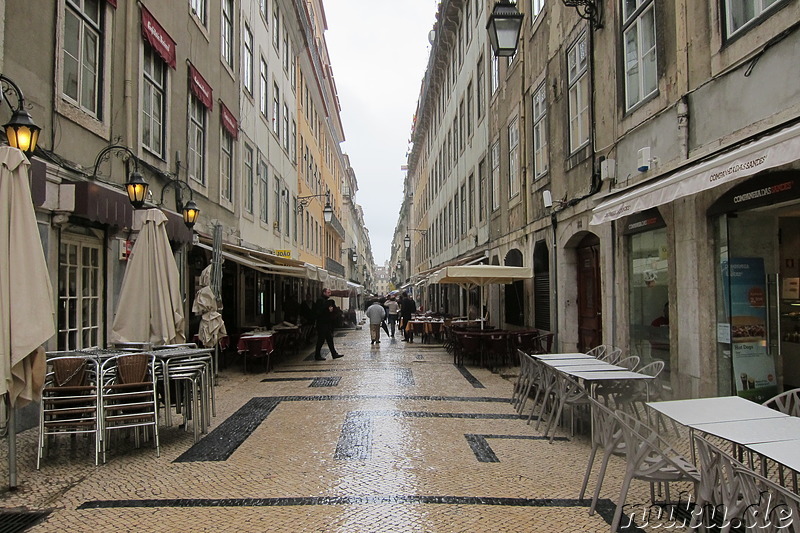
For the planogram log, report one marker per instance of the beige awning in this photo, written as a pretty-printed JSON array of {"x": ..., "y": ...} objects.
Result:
[
  {"x": 468, "y": 276},
  {"x": 259, "y": 264},
  {"x": 768, "y": 152}
]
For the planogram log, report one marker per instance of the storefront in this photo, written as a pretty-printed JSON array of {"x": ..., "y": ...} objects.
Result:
[{"x": 757, "y": 235}]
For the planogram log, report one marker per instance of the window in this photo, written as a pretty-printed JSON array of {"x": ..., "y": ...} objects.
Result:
[
  {"x": 536, "y": 7},
  {"x": 263, "y": 101},
  {"x": 513, "y": 159},
  {"x": 285, "y": 132},
  {"x": 469, "y": 109},
  {"x": 740, "y": 14},
  {"x": 263, "y": 8},
  {"x": 463, "y": 221},
  {"x": 471, "y": 201},
  {"x": 639, "y": 36},
  {"x": 199, "y": 10},
  {"x": 247, "y": 178},
  {"x": 80, "y": 292},
  {"x": 481, "y": 190},
  {"x": 197, "y": 140},
  {"x": 227, "y": 32},
  {"x": 82, "y": 54},
  {"x": 154, "y": 82},
  {"x": 293, "y": 141},
  {"x": 276, "y": 27},
  {"x": 495, "y": 74},
  {"x": 286, "y": 51},
  {"x": 247, "y": 60},
  {"x": 226, "y": 166},
  {"x": 263, "y": 190},
  {"x": 578, "y": 94},
  {"x": 276, "y": 110},
  {"x": 541, "y": 160},
  {"x": 277, "y": 193},
  {"x": 481, "y": 95},
  {"x": 495, "y": 175},
  {"x": 461, "y": 125}
]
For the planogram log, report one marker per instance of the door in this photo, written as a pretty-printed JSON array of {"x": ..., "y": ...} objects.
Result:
[{"x": 590, "y": 323}]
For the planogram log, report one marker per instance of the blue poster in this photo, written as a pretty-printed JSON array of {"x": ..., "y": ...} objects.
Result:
[{"x": 753, "y": 365}]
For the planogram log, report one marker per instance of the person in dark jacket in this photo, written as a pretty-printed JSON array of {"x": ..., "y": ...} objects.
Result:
[
  {"x": 327, "y": 316},
  {"x": 407, "y": 308}
]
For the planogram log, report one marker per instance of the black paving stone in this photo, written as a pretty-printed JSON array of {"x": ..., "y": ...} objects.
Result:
[
  {"x": 483, "y": 451},
  {"x": 469, "y": 377}
]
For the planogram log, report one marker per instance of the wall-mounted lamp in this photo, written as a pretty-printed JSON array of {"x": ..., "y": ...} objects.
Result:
[
  {"x": 504, "y": 26},
  {"x": 327, "y": 211},
  {"x": 407, "y": 238},
  {"x": 354, "y": 255},
  {"x": 591, "y": 10},
  {"x": 547, "y": 200},
  {"x": 136, "y": 187},
  {"x": 398, "y": 266},
  {"x": 21, "y": 131}
]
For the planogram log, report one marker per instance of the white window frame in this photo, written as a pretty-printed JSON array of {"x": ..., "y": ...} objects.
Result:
[
  {"x": 536, "y": 8},
  {"x": 639, "y": 51},
  {"x": 276, "y": 110},
  {"x": 495, "y": 157},
  {"x": 247, "y": 59},
  {"x": 226, "y": 38},
  {"x": 761, "y": 8},
  {"x": 541, "y": 157},
  {"x": 578, "y": 79},
  {"x": 154, "y": 101},
  {"x": 247, "y": 178},
  {"x": 226, "y": 166},
  {"x": 196, "y": 140},
  {"x": 78, "y": 329},
  {"x": 199, "y": 10},
  {"x": 90, "y": 79},
  {"x": 285, "y": 129},
  {"x": 263, "y": 101},
  {"x": 263, "y": 189},
  {"x": 513, "y": 158}
]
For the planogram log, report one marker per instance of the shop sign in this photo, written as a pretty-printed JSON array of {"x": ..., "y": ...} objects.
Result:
[
  {"x": 284, "y": 253},
  {"x": 769, "y": 189}
]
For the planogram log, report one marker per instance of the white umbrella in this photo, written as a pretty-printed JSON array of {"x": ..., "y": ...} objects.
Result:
[
  {"x": 26, "y": 296},
  {"x": 212, "y": 327},
  {"x": 150, "y": 307}
]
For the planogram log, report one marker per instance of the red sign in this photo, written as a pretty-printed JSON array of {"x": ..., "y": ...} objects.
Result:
[
  {"x": 159, "y": 39},
  {"x": 229, "y": 122},
  {"x": 200, "y": 87}
]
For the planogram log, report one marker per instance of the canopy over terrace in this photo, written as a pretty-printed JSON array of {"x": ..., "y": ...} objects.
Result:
[{"x": 469, "y": 276}]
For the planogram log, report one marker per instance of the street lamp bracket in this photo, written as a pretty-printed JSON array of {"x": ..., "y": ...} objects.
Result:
[{"x": 591, "y": 10}]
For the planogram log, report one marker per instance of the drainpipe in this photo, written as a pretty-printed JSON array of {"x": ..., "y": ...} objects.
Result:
[
  {"x": 554, "y": 276},
  {"x": 131, "y": 47},
  {"x": 683, "y": 127}
]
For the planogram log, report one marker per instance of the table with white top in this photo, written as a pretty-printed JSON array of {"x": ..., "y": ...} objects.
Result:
[
  {"x": 548, "y": 356},
  {"x": 709, "y": 410},
  {"x": 783, "y": 452},
  {"x": 582, "y": 364}
]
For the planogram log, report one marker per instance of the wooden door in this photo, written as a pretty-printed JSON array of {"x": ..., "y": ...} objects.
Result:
[{"x": 590, "y": 320}]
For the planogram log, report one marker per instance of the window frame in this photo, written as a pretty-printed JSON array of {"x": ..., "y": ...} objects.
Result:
[
  {"x": 226, "y": 166},
  {"x": 197, "y": 137},
  {"x": 540, "y": 140},
  {"x": 226, "y": 32},
  {"x": 152, "y": 88},
  {"x": 578, "y": 91},
  {"x": 248, "y": 170},
  {"x": 634, "y": 22}
]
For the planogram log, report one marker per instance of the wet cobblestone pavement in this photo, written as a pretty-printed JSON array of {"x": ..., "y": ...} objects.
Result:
[{"x": 391, "y": 437}]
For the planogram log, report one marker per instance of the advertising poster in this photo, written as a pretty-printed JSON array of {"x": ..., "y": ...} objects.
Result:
[{"x": 753, "y": 365}]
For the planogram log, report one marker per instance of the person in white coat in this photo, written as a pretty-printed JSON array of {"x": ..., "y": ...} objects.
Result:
[{"x": 376, "y": 313}]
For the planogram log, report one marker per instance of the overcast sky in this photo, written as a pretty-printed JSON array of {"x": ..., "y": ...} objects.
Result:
[{"x": 379, "y": 51}]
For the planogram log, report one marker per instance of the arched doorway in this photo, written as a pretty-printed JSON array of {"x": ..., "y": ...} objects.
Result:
[
  {"x": 590, "y": 320},
  {"x": 515, "y": 292}
]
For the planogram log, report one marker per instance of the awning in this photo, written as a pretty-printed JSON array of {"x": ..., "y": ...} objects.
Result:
[
  {"x": 359, "y": 289},
  {"x": 158, "y": 38},
  {"x": 229, "y": 122},
  {"x": 768, "y": 152},
  {"x": 468, "y": 276},
  {"x": 200, "y": 87},
  {"x": 257, "y": 263}
]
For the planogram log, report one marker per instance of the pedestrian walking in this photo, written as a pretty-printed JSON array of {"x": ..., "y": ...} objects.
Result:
[
  {"x": 376, "y": 314},
  {"x": 407, "y": 308},
  {"x": 392, "y": 311},
  {"x": 327, "y": 315}
]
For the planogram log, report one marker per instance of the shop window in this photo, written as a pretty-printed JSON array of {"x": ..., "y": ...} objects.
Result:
[
  {"x": 80, "y": 282},
  {"x": 648, "y": 274}
]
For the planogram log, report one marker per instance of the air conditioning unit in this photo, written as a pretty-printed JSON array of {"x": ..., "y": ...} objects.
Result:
[{"x": 643, "y": 161}]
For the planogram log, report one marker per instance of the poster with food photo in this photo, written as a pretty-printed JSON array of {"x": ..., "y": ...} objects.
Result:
[{"x": 753, "y": 365}]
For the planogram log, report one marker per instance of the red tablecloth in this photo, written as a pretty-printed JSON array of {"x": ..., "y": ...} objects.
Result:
[{"x": 266, "y": 340}]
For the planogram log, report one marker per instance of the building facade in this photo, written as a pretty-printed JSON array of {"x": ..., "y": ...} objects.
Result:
[
  {"x": 208, "y": 102},
  {"x": 641, "y": 156}
]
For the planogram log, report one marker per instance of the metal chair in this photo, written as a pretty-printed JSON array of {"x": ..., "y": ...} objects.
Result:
[
  {"x": 70, "y": 402},
  {"x": 719, "y": 487},
  {"x": 568, "y": 393},
  {"x": 606, "y": 435},
  {"x": 128, "y": 396},
  {"x": 254, "y": 349}
]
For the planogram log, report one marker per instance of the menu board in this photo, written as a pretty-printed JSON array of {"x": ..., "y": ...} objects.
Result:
[{"x": 753, "y": 365}]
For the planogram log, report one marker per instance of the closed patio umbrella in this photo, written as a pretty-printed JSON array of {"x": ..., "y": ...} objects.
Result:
[
  {"x": 212, "y": 327},
  {"x": 150, "y": 307},
  {"x": 26, "y": 296}
]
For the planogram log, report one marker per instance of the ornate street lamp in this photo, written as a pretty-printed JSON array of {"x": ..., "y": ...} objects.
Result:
[
  {"x": 21, "y": 131},
  {"x": 504, "y": 27},
  {"x": 327, "y": 211}
]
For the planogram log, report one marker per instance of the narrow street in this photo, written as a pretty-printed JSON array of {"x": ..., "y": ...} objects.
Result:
[{"x": 389, "y": 438}]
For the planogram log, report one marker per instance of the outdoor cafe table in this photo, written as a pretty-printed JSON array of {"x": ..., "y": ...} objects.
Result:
[
  {"x": 266, "y": 338},
  {"x": 548, "y": 356}
]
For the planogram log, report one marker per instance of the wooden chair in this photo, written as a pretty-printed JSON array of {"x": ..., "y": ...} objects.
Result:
[
  {"x": 254, "y": 349},
  {"x": 70, "y": 402},
  {"x": 466, "y": 345},
  {"x": 128, "y": 396}
]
